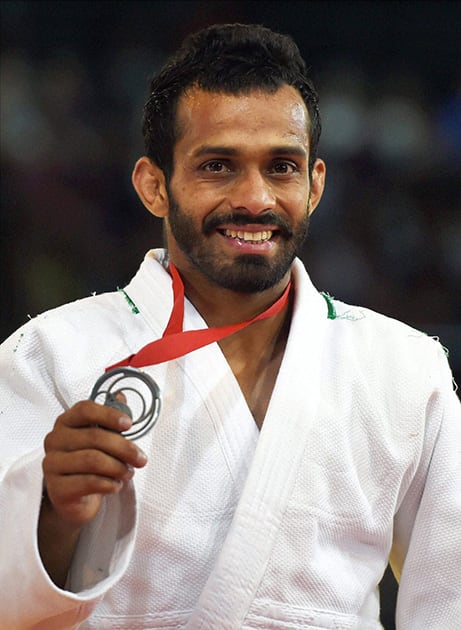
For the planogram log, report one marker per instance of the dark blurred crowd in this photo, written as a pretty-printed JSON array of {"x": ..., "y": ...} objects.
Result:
[{"x": 387, "y": 234}]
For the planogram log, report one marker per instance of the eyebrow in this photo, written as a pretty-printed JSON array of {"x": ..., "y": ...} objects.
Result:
[
  {"x": 208, "y": 149},
  {"x": 289, "y": 149}
]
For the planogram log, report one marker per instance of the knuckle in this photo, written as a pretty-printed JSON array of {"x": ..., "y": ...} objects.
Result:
[
  {"x": 47, "y": 465},
  {"x": 48, "y": 442},
  {"x": 92, "y": 460},
  {"x": 99, "y": 438},
  {"x": 83, "y": 407}
]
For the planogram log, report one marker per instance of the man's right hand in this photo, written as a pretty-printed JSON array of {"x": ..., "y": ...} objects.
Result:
[{"x": 86, "y": 458}]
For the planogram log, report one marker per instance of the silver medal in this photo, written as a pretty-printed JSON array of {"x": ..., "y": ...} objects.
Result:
[{"x": 142, "y": 397}]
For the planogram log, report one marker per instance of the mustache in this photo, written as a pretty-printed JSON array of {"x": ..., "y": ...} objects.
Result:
[{"x": 241, "y": 218}]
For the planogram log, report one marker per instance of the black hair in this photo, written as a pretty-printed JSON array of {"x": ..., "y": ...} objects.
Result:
[{"x": 227, "y": 58}]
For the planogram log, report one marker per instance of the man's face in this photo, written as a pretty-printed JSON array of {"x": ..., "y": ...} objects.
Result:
[{"x": 240, "y": 190}]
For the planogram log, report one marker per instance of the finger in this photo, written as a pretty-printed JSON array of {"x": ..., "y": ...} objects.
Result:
[
  {"x": 77, "y": 498},
  {"x": 73, "y": 488},
  {"x": 70, "y": 440},
  {"x": 87, "y": 462},
  {"x": 118, "y": 401},
  {"x": 87, "y": 413}
]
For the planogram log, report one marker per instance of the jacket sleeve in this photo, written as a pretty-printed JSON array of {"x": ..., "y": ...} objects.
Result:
[
  {"x": 426, "y": 555},
  {"x": 29, "y": 404}
]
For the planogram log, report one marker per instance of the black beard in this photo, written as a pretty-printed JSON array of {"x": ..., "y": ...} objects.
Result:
[{"x": 247, "y": 273}]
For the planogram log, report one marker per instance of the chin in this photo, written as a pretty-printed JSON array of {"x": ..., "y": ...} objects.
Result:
[{"x": 250, "y": 274}]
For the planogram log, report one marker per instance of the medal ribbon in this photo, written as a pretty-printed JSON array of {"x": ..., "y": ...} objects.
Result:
[{"x": 176, "y": 342}]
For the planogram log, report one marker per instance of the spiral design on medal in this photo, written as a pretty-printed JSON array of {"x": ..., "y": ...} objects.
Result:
[{"x": 142, "y": 396}]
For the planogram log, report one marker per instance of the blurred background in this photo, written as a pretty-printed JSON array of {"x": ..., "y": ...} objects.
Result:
[{"x": 387, "y": 235}]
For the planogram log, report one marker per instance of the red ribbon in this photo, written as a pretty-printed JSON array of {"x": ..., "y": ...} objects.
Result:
[{"x": 175, "y": 342}]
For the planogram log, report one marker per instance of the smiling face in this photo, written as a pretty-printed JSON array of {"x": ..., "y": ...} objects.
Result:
[{"x": 240, "y": 196}]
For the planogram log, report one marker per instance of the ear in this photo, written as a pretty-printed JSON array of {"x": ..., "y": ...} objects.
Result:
[
  {"x": 317, "y": 184},
  {"x": 149, "y": 182}
]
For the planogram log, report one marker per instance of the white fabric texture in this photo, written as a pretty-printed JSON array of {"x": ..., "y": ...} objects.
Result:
[{"x": 227, "y": 527}]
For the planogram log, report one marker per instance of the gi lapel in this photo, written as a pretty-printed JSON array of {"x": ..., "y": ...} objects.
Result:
[
  {"x": 232, "y": 585},
  {"x": 150, "y": 294}
]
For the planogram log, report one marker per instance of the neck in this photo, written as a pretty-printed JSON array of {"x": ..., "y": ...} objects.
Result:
[
  {"x": 220, "y": 307},
  {"x": 255, "y": 344},
  {"x": 262, "y": 338}
]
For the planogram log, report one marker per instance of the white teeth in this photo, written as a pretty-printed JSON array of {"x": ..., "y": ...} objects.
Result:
[{"x": 253, "y": 237}]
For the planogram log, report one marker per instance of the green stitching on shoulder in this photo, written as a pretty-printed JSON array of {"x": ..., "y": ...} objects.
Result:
[
  {"x": 352, "y": 315},
  {"x": 134, "y": 308},
  {"x": 18, "y": 342},
  {"x": 330, "y": 305}
]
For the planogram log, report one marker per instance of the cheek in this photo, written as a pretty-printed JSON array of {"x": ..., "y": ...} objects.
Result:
[
  {"x": 203, "y": 201},
  {"x": 297, "y": 202},
  {"x": 195, "y": 197}
]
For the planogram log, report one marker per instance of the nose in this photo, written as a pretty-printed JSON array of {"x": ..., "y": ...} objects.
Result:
[{"x": 252, "y": 192}]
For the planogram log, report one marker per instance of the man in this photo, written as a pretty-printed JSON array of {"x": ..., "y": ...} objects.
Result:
[{"x": 293, "y": 454}]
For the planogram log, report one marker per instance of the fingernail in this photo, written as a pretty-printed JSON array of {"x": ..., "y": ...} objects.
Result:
[
  {"x": 141, "y": 456},
  {"x": 129, "y": 473},
  {"x": 124, "y": 423}
]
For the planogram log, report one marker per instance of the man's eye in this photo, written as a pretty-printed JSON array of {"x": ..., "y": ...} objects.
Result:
[
  {"x": 216, "y": 166},
  {"x": 284, "y": 168}
]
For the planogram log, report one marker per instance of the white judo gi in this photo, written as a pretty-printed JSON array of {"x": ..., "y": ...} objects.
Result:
[{"x": 228, "y": 527}]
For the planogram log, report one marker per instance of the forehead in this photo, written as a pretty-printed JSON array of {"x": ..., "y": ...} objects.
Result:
[{"x": 206, "y": 117}]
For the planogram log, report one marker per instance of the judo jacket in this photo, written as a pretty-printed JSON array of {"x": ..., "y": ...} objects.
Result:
[{"x": 229, "y": 527}]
